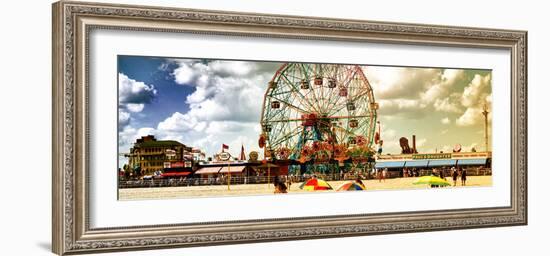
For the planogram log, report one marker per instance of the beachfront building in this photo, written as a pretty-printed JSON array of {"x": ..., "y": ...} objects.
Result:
[
  {"x": 240, "y": 171},
  {"x": 198, "y": 155},
  {"x": 149, "y": 155},
  {"x": 474, "y": 163},
  {"x": 217, "y": 172}
]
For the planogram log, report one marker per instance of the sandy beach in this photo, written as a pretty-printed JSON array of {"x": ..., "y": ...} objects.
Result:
[{"x": 259, "y": 189}]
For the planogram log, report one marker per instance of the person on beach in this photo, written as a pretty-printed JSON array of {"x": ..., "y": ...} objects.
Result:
[
  {"x": 384, "y": 174},
  {"x": 455, "y": 176},
  {"x": 288, "y": 182},
  {"x": 463, "y": 177},
  {"x": 280, "y": 187},
  {"x": 358, "y": 181},
  {"x": 433, "y": 173}
]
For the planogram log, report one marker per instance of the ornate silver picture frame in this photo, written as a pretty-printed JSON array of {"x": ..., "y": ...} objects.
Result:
[{"x": 72, "y": 204}]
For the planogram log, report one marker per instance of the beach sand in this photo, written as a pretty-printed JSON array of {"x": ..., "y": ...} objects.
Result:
[{"x": 262, "y": 189}]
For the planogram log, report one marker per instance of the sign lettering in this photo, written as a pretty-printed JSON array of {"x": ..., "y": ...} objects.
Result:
[{"x": 431, "y": 156}]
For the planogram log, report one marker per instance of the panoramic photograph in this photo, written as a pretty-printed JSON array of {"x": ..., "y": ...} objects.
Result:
[{"x": 211, "y": 128}]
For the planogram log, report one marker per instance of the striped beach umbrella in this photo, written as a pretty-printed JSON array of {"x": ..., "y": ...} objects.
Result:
[
  {"x": 350, "y": 186},
  {"x": 315, "y": 184},
  {"x": 431, "y": 180}
]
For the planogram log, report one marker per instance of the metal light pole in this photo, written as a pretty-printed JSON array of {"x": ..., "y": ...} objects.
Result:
[
  {"x": 485, "y": 113},
  {"x": 229, "y": 175}
]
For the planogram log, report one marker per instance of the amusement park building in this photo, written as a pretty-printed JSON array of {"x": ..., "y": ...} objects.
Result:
[
  {"x": 239, "y": 169},
  {"x": 464, "y": 160},
  {"x": 152, "y": 155}
]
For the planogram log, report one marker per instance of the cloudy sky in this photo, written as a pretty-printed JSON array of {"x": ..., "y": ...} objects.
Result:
[{"x": 204, "y": 103}]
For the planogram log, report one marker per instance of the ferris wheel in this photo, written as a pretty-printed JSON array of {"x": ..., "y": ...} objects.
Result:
[{"x": 313, "y": 108}]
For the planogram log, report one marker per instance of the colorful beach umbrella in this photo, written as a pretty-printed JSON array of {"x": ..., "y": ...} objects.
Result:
[
  {"x": 350, "y": 186},
  {"x": 431, "y": 180},
  {"x": 315, "y": 184}
]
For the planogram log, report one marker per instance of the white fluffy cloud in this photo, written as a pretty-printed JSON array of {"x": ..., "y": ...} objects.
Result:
[
  {"x": 476, "y": 91},
  {"x": 444, "y": 99},
  {"x": 132, "y": 97},
  {"x": 208, "y": 136},
  {"x": 232, "y": 68},
  {"x": 181, "y": 122},
  {"x": 470, "y": 117},
  {"x": 123, "y": 119},
  {"x": 416, "y": 92},
  {"x": 132, "y": 91},
  {"x": 441, "y": 85},
  {"x": 226, "y": 103},
  {"x": 135, "y": 108},
  {"x": 400, "y": 83},
  {"x": 475, "y": 97},
  {"x": 224, "y": 90},
  {"x": 448, "y": 104},
  {"x": 128, "y": 135}
]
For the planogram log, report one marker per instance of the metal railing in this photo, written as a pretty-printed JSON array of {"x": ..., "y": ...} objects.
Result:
[{"x": 183, "y": 182}]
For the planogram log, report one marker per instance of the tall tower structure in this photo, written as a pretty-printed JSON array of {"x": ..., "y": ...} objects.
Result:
[{"x": 485, "y": 113}]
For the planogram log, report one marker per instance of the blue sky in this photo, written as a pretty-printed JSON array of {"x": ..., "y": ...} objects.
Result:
[
  {"x": 156, "y": 72},
  {"x": 197, "y": 102},
  {"x": 204, "y": 103}
]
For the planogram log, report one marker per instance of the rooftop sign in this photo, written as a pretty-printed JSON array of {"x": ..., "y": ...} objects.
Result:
[
  {"x": 224, "y": 156},
  {"x": 431, "y": 156}
]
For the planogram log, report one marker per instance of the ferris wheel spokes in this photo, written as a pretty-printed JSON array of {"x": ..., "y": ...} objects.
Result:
[
  {"x": 300, "y": 97},
  {"x": 309, "y": 104}
]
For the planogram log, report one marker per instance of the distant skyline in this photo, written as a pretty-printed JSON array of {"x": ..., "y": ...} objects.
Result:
[{"x": 207, "y": 103}]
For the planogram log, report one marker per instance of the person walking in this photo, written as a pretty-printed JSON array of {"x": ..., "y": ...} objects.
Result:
[
  {"x": 455, "y": 176},
  {"x": 434, "y": 173},
  {"x": 384, "y": 174},
  {"x": 463, "y": 177}
]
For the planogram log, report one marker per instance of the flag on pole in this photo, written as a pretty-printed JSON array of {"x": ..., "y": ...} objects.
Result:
[
  {"x": 224, "y": 147},
  {"x": 243, "y": 156}
]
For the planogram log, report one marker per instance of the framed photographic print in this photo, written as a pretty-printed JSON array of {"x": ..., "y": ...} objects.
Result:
[{"x": 179, "y": 127}]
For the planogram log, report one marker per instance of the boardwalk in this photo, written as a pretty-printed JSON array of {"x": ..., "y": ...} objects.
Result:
[{"x": 259, "y": 189}]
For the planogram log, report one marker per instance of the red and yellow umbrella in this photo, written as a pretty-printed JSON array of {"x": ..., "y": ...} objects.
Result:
[
  {"x": 351, "y": 186},
  {"x": 315, "y": 184}
]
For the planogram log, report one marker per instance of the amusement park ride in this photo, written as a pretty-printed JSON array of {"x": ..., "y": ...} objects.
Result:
[{"x": 320, "y": 114}]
